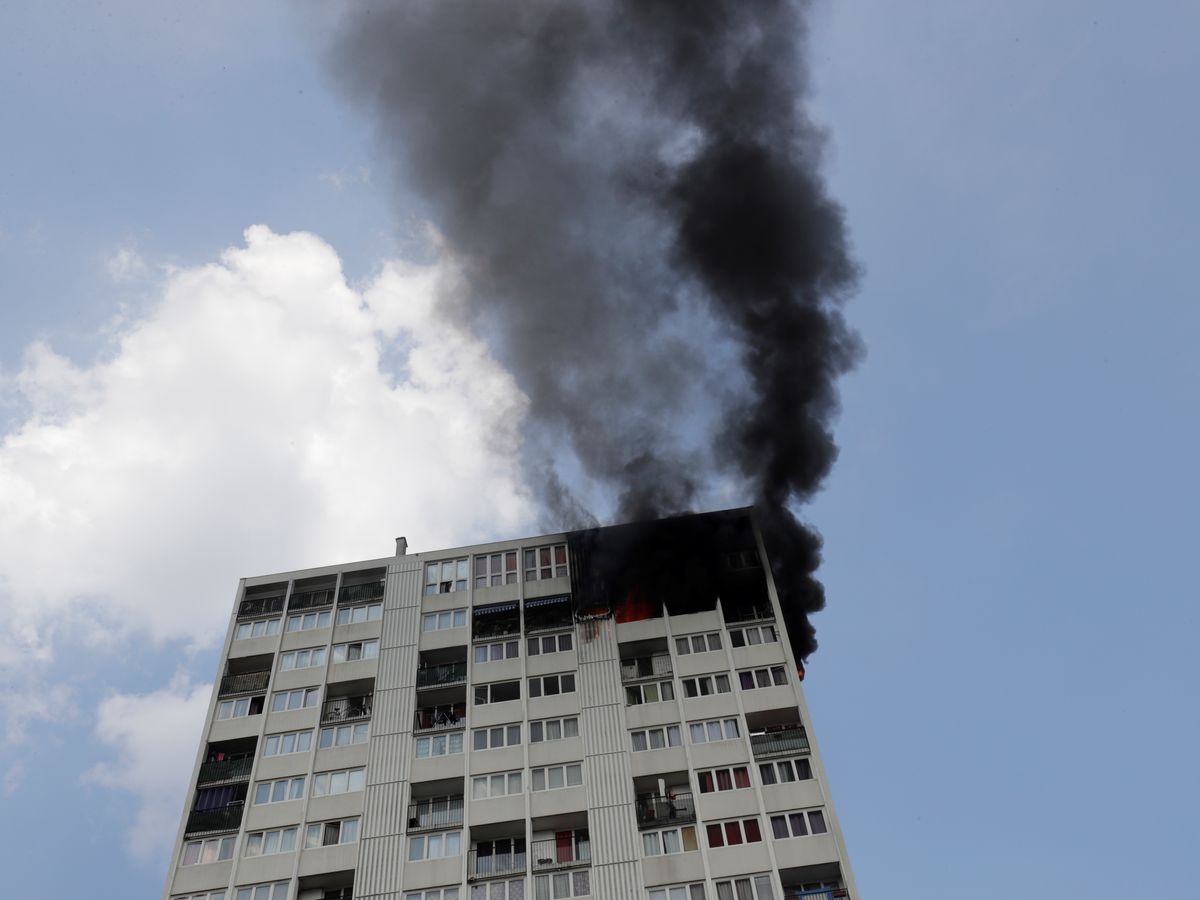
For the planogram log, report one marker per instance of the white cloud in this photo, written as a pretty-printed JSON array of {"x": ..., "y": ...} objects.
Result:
[
  {"x": 155, "y": 737},
  {"x": 244, "y": 424},
  {"x": 125, "y": 264},
  {"x": 13, "y": 776},
  {"x": 343, "y": 179}
]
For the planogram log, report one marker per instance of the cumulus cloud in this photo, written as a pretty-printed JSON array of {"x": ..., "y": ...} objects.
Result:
[
  {"x": 261, "y": 415},
  {"x": 125, "y": 264},
  {"x": 155, "y": 737}
]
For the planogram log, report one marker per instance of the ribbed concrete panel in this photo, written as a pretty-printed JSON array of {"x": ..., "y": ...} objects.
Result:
[
  {"x": 617, "y": 880},
  {"x": 614, "y": 834},
  {"x": 388, "y": 758},
  {"x": 600, "y": 683},
  {"x": 397, "y": 668},
  {"x": 608, "y": 780},
  {"x": 384, "y": 809},
  {"x": 393, "y": 712},
  {"x": 380, "y": 864},
  {"x": 602, "y": 729},
  {"x": 597, "y": 640}
]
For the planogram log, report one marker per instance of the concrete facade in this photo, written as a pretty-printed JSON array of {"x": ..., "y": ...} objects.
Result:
[{"x": 404, "y": 732}]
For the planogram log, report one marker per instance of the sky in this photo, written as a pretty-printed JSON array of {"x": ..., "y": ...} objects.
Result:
[{"x": 219, "y": 358}]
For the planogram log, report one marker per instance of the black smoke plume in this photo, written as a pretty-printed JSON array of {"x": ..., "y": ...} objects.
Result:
[{"x": 632, "y": 190}]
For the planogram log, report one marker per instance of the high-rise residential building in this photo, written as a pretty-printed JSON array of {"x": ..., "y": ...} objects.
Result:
[{"x": 612, "y": 713}]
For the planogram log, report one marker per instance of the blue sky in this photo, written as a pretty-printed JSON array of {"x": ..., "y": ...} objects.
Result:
[{"x": 1004, "y": 687}]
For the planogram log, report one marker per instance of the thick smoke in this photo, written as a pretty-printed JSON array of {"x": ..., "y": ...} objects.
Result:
[{"x": 632, "y": 189}]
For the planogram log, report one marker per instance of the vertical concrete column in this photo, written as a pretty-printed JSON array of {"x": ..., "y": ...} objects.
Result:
[
  {"x": 381, "y": 846},
  {"x": 612, "y": 827}
]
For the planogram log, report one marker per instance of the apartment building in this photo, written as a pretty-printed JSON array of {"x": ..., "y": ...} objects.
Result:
[{"x": 615, "y": 713}]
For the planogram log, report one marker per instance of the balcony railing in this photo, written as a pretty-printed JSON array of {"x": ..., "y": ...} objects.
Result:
[
  {"x": 259, "y": 606},
  {"x": 219, "y": 770},
  {"x": 361, "y": 593},
  {"x": 492, "y": 865},
  {"x": 438, "y": 719},
  {"x": 749, "y": 614},
  {"x": 789, "y": 740},
  {"x": 820, "y": 894},
  {"x": 311, "y": 599},
  {"x": 486, "y": 627},
  {"x": 548, "y": 855},
  {"x": 245, "y": 683},
  {"x": 224, "y": 818},
  {"x": 429, "y": 815},
  {"x": 442, "y": 676},
  {"x": 653, "y": 811},
  {"x": 645, "y": 667},
  {"x": 346, "y": 709}
]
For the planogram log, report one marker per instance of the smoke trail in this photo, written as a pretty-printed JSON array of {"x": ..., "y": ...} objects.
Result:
[{"x": 632, "y": 188}]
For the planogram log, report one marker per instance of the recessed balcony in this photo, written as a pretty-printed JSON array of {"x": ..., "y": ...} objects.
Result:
[
  {"x": 496, "y": 863},
  {"x": 347, "y": 709},
  {"x": 244, "y": 683},
  {"x": 678, "y": 807},
  {"x": 790, "y": 739},
  {"x": 222, "y": 818},
  {"x": 444, "y": 675},
  {"x": 551, "y": 855},
  {"x": 440, "y": 718},
  {"x": 436, "y": 813},
  {"x": 260, "y": 606},
  {"x": 218, "y": 771},
  {"x": 756, "y": 612},
  {"x": 645, "y": 667},
  {"x": 352, "y": 594}
]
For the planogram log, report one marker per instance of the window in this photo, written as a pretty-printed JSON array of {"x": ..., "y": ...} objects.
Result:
[
  {"x": 498, "y": 784},
  {"x": 287, "y": 742},
  {"x": 553, "y": 730},
  {"x": 669, "y": 840},
  {"x": 698, "y": 643},
  {"x": 207, "y": 851},
  {"x": 782, "y": 770},
  {"x": 302, "y": 659},
  {"x": 704, "y": 685},
  {"x": 355, "y": 650},
  {"x": 210, "y": 895},
  {"x": 549, "y": 685},
  {"x": 499, "y": 856},
  {"x": 261, "y": 628},
  {"x": 497, "y": 692},
  {"x": 339, "y": 781},
  {"x": 241, "y": 707},
  {"x": 546, "y": 562},
  {"x": 496, "y": 569},
  {"x": 328, "y": 834},
  {"x": 713, "y": 730},
  {"x": 439, "y": 745},
  {"x": 450, "y": 893},
  {"x": 656, "y": 738},
  {"x": 748, "y": 887},
  {"x": 734, "y": 779},
  {"x": 446, "y": 577},
  {"x": 297, "y": 699},
  {"x": 308, "y": 621},
  {"x": 752, "y": 679},
  {"x": 278, "y": 791},
  {"x": 267, "y": 843},
  {"x": 753, "y": 635},
  {"x": 649, "y": 692},
  {"x": 497, "y": 651},
  {"x": 434, "y": 846},
  {"x": 511, "y": 889},
  {"x": 798, "y": 824},
  {"x": 562, "y": 885},
  {"x": 276, "y": 891},
  {"x": 356, "y": 615},
  {"x": 344, "y": 735},
  {"x": 494, "y": 738},
  {"x": 552, "y": 778},
  {"x": 733, "y": 832},
  {"x": 677, "y": 892},
  {"x": 549, "y": 643},
  {"x": 447, "y": 618}
]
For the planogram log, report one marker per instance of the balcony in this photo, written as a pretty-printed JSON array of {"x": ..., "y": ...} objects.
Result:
[
  {"x": 785, "y": 740},
  {"x": 360, "y": 593},
  {"x": 442, "y": 676},
  {"x": 346, "y": 709},
  {"x": 753, "y": 613},
  {"x": 819, "y": 894},
  {"x": 225, "y": 770},
  {"x": 497, "y": 620},
  {"x": 551, "y": 855},
  {"x": 645, "y": 667},
  {"x": 655, "y": 811},
  {"x": 440, "y": 718},
  {"x": 432, "y": 815},
  {"x": 260, "y": 606},
  {"x": 223, "y": 818},
  {"x": 496, "y": 865},
  {"x": 245, "y": 683},
  {"x": 310, "y": 599}
]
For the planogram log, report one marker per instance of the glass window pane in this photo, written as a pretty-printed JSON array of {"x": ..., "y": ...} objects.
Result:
[
  {"x": 816, "y": 821},
  {"x": 714, "y": 731},
  {"x": 796, "y": 821},
  {"x": 733, "y": 833},
  {"x": 553, "y": 730},
  {"x": 650, "y": 844},
  {"x": 556, "y": 776},
  {"x": 535, "y": 732},
  {"x": 570, "y": 727},
  {"x": 689, "y": 838},
  {"x": 671, "y": 842},
  {"x": 753, "y": 832},
  {"x": 715, "y": 837}
]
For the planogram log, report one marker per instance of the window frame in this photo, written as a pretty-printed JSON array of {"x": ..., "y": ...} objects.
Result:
[
  {"x": 543, "y": 727},
  {"x": 281, "y": 736},
  {"x": 706, "y": 725},
  {"x": 362, "y": 645},
  {"x": 805, "y": 816},
  {"x": 373, "y": 612},
  {"x": 424, "y": 840},
  {"x": 506, "y": 735},
  {"x": 325, "y": 825},
  {"x": 559, "y": 679},
  {"x": 545, "y": 571},
  {"x": 714, "y": 778},
  {"x": 539, "y": 641},
  {"x": 508, "y": 778},
  {"x": 659, "y": 833},
  {"x": 573, "y": 876},
  {"x": 435, "y": 617},
  {"x": 639, "y": 690},
  {"x": 330, "y": 774},
  {"x": 754, "y": 879},
  {"x": 225, "y": 844},
  {"x": 433, "y": 584},
  {"x": 490, "y": 647},
  {"x": 431, "y": 741},
  {"x": 794, "y": 762},
  {"x": 488, "y": 688},
  {"x": 666, "y": 736},
  {"x": 322, "y": 618},
  {"x": 743, "y": 632},
  {"x": 505, "y": 574},
  {"x": 685, "y": 644},
  {"x": 546, "y": 777},
  {"x": 354, "y": 729},
  {"x": 273, "y": 888},
  {"x": 262, "y": 841},
  {"x": 306, "y": 694},
  {"x": 667, "y": 891},
  {"x": 267, "y": 631},
  {"x": 740, "y": 826},
  {"x": 696, "y": 684},
  {"x": 312, "y": 661},
  {"x": 289, "y": 790}
]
